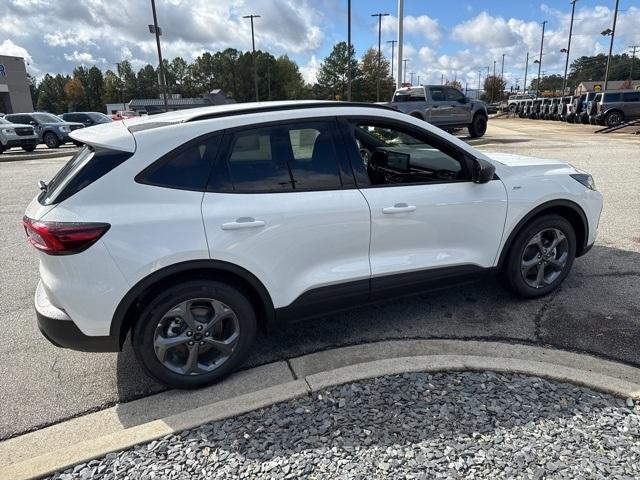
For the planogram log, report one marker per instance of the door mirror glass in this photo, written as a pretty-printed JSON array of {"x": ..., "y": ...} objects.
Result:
[{"x": 482, "y": 171}]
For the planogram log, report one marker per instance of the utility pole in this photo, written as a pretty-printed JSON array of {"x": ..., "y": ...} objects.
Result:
[
  {"x": 633, "y": 59},
  {"x": 566, "y": 63},
  {"x": 493, "y": 81},
  {"x": 502, "y": 69},
  {"x": 478, "y": 92},
  {"x": 441, "y": 79},
  {"x": 253, "y": 46},
  {"x": 412, "y": 74},
  {"x": 613, "y": 34},
  {"x": 156, "y": 30},
  {"x": 540, "y": 60},
  {"x": 399, "y": 76},
  {"x": 349, "y": 50},
  {"x": 526, "y": 67},
  {"x": 404, "y": 60},
  {"x": 393, "y": 44},
  {"x": 418, "y": 80},
  {"x": 379, "y": 15}
]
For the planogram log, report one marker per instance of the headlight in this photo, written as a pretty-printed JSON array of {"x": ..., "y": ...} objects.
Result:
[
  {"x": 8, "y": 131},
  {"x": 585, "y": 179},
  {"x": 64, "y": 129}
]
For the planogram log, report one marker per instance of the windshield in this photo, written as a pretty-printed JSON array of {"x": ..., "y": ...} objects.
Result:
[
  {"x": 2, "y": 120},
  {"x": 46, "y": 118}
]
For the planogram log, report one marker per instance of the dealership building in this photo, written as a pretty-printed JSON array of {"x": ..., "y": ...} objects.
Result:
[{"x": 15, "y": 96}]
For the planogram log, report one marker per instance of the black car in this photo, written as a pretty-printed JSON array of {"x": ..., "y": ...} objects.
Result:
[{"x": 88, "y": 119}]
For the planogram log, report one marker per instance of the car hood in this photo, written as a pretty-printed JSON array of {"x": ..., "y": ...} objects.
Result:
[
  {"x": 64, "y": 124},
  {"x": 523, "y": 165}
]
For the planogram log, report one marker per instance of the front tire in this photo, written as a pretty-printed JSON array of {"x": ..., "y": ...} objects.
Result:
[
  {"x": 478, "y": 126},
  {"x": 194, "y": 333},
  {"x": 29, "y": 148},
  {"x": 540, "y": 257},
  {"x": 613, "y": 119},
  {"x": 51, "y": 140}
]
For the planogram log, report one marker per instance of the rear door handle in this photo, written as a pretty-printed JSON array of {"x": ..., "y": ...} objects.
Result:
[
  {"x": 399, "y": 208},
  {"x": 242, "y": 223}
]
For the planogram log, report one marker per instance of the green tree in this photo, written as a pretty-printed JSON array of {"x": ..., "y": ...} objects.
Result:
[
  {"x": 549, "y": 83},
  {"x": 366, "y": 86},
  {"x": 494, "y": 88},
  {"x": 130, "y": 88},
  {"x": 33, "y": 89},
  {"x": 148, "y": 82},
  {"x": 455, "y": 84},
  {"x": 332, "y": 76},
  {"x": 51, "y": 96},
  {"x": 75, "y": 94},
  {"x": 112, "y": 89},
  {"x": 94, "y": 89},
  {"x": 290, "y": 80}
]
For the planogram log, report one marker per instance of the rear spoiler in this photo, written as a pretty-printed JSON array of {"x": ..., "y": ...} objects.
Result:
[{"x": 113, "y": 136}]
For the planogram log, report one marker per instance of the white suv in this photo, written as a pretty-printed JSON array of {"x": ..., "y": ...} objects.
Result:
[{"x": 191, "y": 230}]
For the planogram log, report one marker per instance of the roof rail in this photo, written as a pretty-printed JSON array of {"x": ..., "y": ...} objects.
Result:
[{"x": 276, "y": 108}]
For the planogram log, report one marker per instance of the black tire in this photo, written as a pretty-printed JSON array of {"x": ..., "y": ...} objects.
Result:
[
  {"x": 51, "y": 140},
  {"x": 144, "y": 330},
  {"x": 478, "y": 126},
  {"x": 2, "y": 149},
  {"x": 29, "y": 148},
  {"x": 417, "y": 115},
  {"x": 512, "y": 270},
  {"x": 613, "y": 119},
  {"x": 77, "y": 143}
]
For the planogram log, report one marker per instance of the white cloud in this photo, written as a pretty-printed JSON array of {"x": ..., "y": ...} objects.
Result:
[
  {"x": 310, "y": 70},
  {"x": 11, "y": 49},
  {"x": 83, "y": 58},
  {"x": 423, "y": 25}
]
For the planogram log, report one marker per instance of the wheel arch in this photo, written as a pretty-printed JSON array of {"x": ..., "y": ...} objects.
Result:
[
  {"x": 417, "y": 114},
  {"x": 135, "y": 299},
  {"x": 565, "y": 208}
]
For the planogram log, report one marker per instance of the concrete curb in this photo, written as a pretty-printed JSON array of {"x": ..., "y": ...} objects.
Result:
[
  {"x": 78, "y": 440},
  {"x": 38, "y": 156}
]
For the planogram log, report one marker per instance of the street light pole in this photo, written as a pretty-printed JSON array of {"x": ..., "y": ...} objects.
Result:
[
  {"x": 156, "y": 30},
  {"x": 540, "y": 59},
  {"x": 412, "y": 74},
  {"x": 349, "y": 50},
  {"x": 399, "y": 76},
  {"x": 493, "y": 81},
  {"x": 566, "y": 63},
  {"x": 393, "y": 44},
  {"x": 253, "y": 49},
  {"x": 478, "y": 92},
  {"x": 404, "y": 61},
  {"x": 526, "y": 68},
  {"x": 613, "y": 33},
  {"x": 379, "y": 15}
]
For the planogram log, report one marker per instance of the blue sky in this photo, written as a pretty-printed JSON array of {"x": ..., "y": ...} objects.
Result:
[{"x": 451, "y": 39}]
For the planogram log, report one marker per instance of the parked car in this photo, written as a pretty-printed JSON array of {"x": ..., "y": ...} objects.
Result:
[
  {"x": 88, "y": 119},
  {"x": 493, "y": 107},
  {"x": 564, "y": 106},
  {"x": 526, "y": 109},
  {"x": 51, "y": 130},
  {"x": 536, "y": 108},
  {"x": 513, "y": 100},
  {"x": 586, "y": 107},
  {"x": 17, "y": 135},
  {"x": 232, "y": 218},
  {"x": 615, "y": 107},
  {"x": 545, "y": 109},
  {"x": 592, "y": 108},
  {"x": 443, "y": 106},
  {"x": 122, "y": 114}
]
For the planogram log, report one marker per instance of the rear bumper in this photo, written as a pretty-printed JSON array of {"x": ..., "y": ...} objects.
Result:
[{"x": 59, "y": 329}]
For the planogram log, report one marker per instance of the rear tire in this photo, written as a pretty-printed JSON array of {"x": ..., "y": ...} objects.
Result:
[
  {"x": 180, "y": 322},
  {"x": 529, "y": 254},
  {"x": 478, "y": 126},
  {"x": 51, "y": 140}
]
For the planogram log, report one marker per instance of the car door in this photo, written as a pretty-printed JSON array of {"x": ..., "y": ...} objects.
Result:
[
  {"x": 283, "y": 205},
  {"x": 428, "y": 219},
  {"x": 440, "y": 111},
  {"x": 460, "y": 106},
  {"x": 631, "y": 105}
]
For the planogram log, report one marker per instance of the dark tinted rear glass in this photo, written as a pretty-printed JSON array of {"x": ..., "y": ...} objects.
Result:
[
  {"x": 186, "y": 168},
  {"x": 611, "y": 97},
  {"x": 631, "y": 97},
  {"x": 84, "y": 168}
]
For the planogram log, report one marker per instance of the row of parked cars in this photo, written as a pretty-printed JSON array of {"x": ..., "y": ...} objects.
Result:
[
  {"x": 27, "y": 130},
  {"x": 610, "y": 108}
]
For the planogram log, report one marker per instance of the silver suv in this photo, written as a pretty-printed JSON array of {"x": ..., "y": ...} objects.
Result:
[
  {"x": 617, "y": 107},
  {"x": 17, "y": 135}
]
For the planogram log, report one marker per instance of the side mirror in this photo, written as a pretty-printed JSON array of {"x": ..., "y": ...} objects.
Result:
[
  {"x": 33, "y": 123},
  {"x": 482, "y": 171}
]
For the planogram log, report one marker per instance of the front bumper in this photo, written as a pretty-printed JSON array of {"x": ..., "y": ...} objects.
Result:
[
  {"x": 59, "y": 329},
  {"x": 21, "y": 142}
]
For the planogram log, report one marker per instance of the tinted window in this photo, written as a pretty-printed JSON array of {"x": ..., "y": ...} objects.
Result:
[
  {"x": 631, "y": 97},
  {"x": 410, "y": 95},
  {"x": 611, "y": 97},
  {"x": 393, "y": 155},
  {"x": 84, "y": 168},
  {"x": 19, "y": 119},
  {"x": 186, "y": 168},
  {"x": 455, "y": 95},
  {"x": 284, "y": 158},
  {"x": 47, "y": 118},
  {"x": 437, "y": 94}
]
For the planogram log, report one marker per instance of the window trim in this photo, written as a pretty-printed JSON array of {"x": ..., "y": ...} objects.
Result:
[
  {"x": 347, "y": 180},
  {"x": 160, "y": 162},
  {"x": 348, "y": 123}
]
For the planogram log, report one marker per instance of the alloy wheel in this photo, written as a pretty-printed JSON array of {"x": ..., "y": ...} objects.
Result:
[
  {"x": 196, "y": 336},
  {"x": 544, "y": 258}
]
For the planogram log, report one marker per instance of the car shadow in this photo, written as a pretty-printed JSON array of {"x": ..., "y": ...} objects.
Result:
[{"x": 596, "y": 311}]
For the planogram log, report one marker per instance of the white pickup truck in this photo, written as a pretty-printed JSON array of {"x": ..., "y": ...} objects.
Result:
[{"x": 443, "y": 106}]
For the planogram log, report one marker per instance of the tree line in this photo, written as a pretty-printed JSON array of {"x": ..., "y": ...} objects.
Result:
[{"x": 90, "y": 89}]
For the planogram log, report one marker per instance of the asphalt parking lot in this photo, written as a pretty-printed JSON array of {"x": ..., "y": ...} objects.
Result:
[{"x": 597, "y": 310}]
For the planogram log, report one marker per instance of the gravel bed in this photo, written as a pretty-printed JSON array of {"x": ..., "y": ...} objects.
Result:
[{"x": 413, "y": 426}]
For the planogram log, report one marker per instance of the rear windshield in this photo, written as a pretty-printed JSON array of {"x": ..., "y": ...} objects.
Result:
[
  {"x": 84, "y": 168},
  {"x": 410, "y": 95}
]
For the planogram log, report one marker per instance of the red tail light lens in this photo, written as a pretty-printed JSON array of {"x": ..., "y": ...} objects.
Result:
[{"x": 61, "y": 238}]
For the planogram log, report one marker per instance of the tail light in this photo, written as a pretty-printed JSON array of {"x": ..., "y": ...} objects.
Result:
[{"x": 62, "y": 238}]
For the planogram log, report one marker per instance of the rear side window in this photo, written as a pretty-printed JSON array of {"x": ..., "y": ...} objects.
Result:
[
  {"x": 284, "y": 158},
  {"x": 84, "y": 168},
  {"x": 631, "y": 97},
  {"x": 611, "y": 97},
  {"x": 437, "y": 94},
  {"x": 454, "y": 94},
  {"x": 185, "y": 168}
]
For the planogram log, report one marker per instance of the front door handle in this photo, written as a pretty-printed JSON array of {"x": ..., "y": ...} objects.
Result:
[
  {"x": 242, "y": 223},
  {"x": 399, "y": 208}
]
